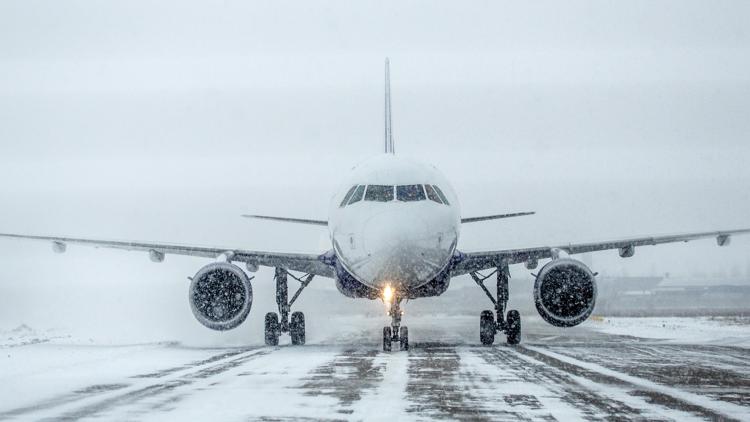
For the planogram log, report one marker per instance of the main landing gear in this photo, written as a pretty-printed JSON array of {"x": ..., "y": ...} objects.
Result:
[
  {"x": 395, "y": 333},
  {"x": 296, "y": 326},
  {"x": 488, "y": 325}
]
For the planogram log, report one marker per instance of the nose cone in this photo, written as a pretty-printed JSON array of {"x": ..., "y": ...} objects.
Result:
[{"x": 404, "y": 249}]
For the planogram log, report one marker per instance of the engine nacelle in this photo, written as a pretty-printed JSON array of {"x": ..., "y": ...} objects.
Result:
[
  {"x": 565, "y": 292},
  {"x": 220, "y": 296}
]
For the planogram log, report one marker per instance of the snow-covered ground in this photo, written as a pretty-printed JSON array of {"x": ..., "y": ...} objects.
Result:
[
  {"x": 601, "y": 370},
  {"x": 730, "y": 331}
]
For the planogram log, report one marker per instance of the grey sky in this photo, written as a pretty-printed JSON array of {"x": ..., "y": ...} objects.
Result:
[
  {"x": 165, "y": 120},
  {"x": 134, "y": 81}
]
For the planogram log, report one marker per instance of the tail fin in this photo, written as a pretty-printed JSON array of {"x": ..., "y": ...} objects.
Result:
[{"x": 388, "y": 127}]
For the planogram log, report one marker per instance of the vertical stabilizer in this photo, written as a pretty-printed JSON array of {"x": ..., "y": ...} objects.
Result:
[{"x": 388, "y": 127}]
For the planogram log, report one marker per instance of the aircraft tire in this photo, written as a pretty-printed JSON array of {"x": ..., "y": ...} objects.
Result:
[
  {"x": 272, "y": 329},
  {"x": 487, "y": 328},
  {"x": 514, "y": 327},
  {"x": 387, "y": 339},
  {"x": 297, "y": 328},
  {"x": 404, "y": 338}
]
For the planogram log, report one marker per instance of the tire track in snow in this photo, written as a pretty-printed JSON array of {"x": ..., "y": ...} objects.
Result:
[
  {"x": 656, "y": 394},
  {"x": 498, "y": 385},
  {"x": 267, "y": 388},
  {"x": 589, "y": 404},
  {"x": 62, "y": 399},
  {"x": 95, "y": 405},
  {"x": 100, "y": 389},
  {"x": 347, "y": 377},
  {"x": 164, "y": 372},
  {"x": 388, "y": 400},
  {"x": 439, "y": 387},
  {"x": 718, "y": 372}
]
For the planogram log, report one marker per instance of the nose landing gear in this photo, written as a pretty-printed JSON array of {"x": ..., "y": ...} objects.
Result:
[
  {"x": 395, "y": 333},
  {"x": 510, "y": 324},
  {"x": 275, "y": 326}
]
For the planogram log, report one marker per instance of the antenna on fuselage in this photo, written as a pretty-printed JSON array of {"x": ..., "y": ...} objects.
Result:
[{"x": 388, "y": 126}]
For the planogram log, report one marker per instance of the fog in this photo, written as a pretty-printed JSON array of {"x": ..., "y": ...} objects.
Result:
[{"x": 165, "y": 122}]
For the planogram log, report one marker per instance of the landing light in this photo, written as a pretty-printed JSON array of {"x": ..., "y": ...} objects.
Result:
[{"x": 387, "y": 294}]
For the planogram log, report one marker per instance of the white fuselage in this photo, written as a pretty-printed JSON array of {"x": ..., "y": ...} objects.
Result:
[{"x": 402, "y": 238}]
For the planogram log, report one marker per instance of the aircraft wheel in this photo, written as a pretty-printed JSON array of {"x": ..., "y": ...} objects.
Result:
[
  {"x": 297, "y": 328},
  {"x": 272, "y": 329},
  {"x": 514, "y": 327},
  {"x": 487, "y": 327},
  {"x": 387, "y": 339},
  {"x": 404, "y": 338}
]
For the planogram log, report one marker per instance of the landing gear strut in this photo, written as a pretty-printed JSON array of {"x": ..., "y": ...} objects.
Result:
[
  {"x": 274, "y": 325},
  {"x": 488, "y": 324},
  {"x": 395, "y": 333}
]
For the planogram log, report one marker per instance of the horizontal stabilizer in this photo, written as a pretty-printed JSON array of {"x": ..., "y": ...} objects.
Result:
[
  {"x": 495, "y": 217},
  {"x": 288, "y": 220}
]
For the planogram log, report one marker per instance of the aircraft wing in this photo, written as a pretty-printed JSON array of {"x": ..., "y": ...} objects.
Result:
[
  {"x": 467, "y": 262},
  {"x": 495, "y": 217},
  {"x": 309, "y": 263},
  {"x": 288, "y": 220}
]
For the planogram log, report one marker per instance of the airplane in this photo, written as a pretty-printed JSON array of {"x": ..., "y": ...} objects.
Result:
[{"x": 394, "y": 228}]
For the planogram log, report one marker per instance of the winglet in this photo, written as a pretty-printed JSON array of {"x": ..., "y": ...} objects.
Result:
[{"x": 388, "y": 127}]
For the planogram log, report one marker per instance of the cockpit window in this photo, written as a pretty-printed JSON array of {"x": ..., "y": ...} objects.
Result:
[
  {"x": 410, "y": 193},
  {"x": 380, "y": 193},
  {"x": 432, "y": 194},
  {"x": 357, "y": 195},
  {"x": 440, "y": 194},
  {"x": 348, "y": 196},
  {"x": 385, "y": 193}
]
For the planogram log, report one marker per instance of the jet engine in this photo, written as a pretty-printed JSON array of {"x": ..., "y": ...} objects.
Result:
[
  {"x": 220, "y": 296},
  {"x": 565, "y": 292}
]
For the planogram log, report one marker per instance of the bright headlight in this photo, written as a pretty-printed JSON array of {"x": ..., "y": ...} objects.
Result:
[{"x": 387, "y": 294}]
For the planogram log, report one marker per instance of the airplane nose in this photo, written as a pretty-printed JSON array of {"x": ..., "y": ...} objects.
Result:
[
  {"x": 389, "y": 232},
  {"x": 406, "y": 250}
]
